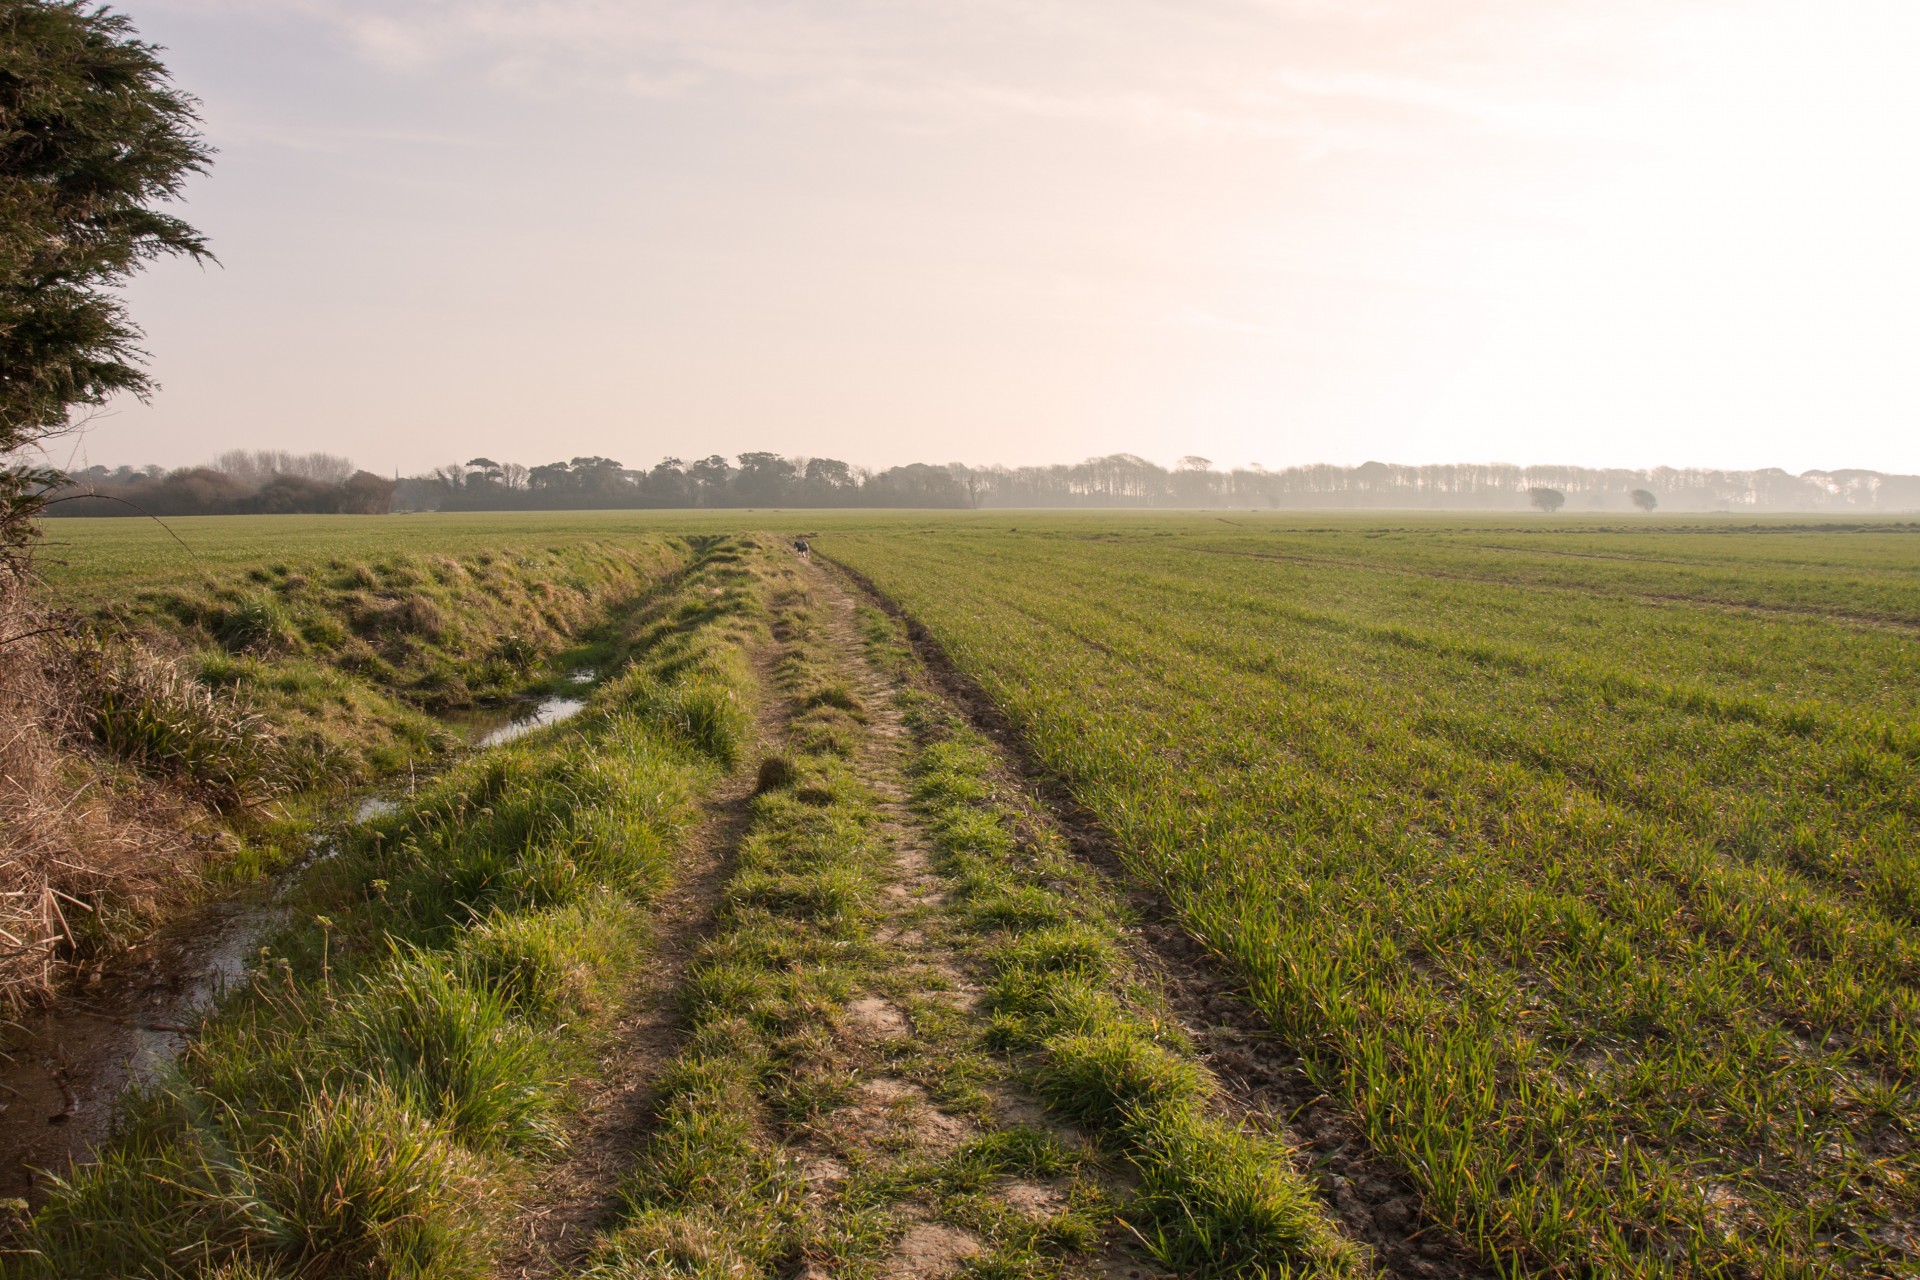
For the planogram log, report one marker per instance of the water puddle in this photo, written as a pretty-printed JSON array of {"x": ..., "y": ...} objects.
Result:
[
  {"x": 65, "y": 1067},
  {"x": 490, "y": 726},
  {"x": 543, "y": 713}
]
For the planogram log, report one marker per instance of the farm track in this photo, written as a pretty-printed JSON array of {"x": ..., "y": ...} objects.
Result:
[
  {"x": 897, "y": 1123},
  {"x": 1372, "y": 1201},
  {"x": 572, "y": 1200}
]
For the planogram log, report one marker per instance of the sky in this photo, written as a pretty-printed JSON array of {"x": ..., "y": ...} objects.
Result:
[{"x": 1599, "y": 232}]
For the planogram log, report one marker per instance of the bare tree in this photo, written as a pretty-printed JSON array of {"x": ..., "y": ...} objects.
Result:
[{"x": 256, "y": 468}]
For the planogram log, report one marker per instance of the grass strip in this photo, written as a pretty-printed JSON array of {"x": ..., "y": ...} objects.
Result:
[{"x": 1216, "y": 1199}]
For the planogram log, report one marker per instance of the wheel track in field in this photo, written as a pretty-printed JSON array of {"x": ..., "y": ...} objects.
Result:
[
  {"x": 892, "y": 1123},
  {"x": 571, "y": 1201},
  {"x": 1374, "y": 1201}
]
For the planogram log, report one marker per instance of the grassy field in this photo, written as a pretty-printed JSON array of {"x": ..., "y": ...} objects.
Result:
[
  {"x": 1580, "y": 862},
  {"x": 1575, "y": 859},
  {"x": 88, "y": 556},
  {"x": 84, "y": 559}
]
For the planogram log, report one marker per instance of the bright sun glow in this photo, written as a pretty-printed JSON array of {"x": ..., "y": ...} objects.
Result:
[{"x": 1276, "y": 230}]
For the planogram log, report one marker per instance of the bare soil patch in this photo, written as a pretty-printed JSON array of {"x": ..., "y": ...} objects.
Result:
[{"x": 931, "y": 1250}]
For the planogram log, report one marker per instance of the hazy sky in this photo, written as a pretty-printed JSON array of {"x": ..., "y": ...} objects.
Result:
[{"x": 1278, "y": 231}]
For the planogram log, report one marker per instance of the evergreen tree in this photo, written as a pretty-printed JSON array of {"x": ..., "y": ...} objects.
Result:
[{"x": 93, "y": 138}]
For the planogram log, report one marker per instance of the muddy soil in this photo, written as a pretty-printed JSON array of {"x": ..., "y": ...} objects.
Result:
[{"x": 67, "y": 1065}]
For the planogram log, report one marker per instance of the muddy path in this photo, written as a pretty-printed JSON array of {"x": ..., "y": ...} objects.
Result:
[{"x": 1374, "y": 1201}]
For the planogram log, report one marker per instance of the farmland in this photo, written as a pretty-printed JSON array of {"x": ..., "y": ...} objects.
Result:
[
  {"x": 1581, "y": 865},
  {"x": 84, "y": 559},
  {"x": 1028, "y": 894}
]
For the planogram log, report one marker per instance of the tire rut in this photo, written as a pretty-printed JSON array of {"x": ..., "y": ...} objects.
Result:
[
  {"x": 1267, "y": 1079},
  {"x": 579, "y": 1196}
]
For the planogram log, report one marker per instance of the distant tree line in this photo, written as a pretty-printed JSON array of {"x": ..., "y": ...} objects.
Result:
[
  {"x": 1123, "y": 480},
  {"x": 243, "y": 482},
  {"x": 748, "y": 480},
  {"x": 258, "y": 482}
]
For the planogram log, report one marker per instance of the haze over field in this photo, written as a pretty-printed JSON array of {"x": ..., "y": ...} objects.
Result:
[
  {"x": 748, "y": 640},
  {"x": 1598, "y": 232}
]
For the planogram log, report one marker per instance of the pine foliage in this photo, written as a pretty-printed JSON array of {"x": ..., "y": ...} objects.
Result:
[{"x": 93, "y": 139}]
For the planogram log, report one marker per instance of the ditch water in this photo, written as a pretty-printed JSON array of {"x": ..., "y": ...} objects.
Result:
[
  {"x": 67, "y": 1065},
  {"x": 491, "y": 726}
]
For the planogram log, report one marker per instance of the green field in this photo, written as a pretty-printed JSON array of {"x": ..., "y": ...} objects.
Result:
[
  {"x": 88, "y": 554},
  {"x": 1577, "y": 860},
  {"x": 1582, "y": 863},
  {"x": 81, "y": 559}
]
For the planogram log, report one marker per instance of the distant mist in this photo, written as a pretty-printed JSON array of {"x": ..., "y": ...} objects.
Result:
[{"x": 243, "y": 482}]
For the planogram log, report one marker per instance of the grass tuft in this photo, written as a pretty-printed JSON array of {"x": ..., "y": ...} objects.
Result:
[{"x": 776, "y": 773}]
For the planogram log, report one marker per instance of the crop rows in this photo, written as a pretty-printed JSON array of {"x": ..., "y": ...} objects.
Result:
[{"x": 1582, "y": 869}]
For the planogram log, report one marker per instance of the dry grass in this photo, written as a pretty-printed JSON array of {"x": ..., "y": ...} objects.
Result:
[{"x": 75, "y": 832}]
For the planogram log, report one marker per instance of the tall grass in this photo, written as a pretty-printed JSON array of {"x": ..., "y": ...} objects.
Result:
[
  {"x": 367, "y": 1105},
  {"x": 77, "y": 842}
]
